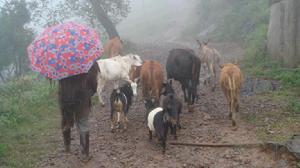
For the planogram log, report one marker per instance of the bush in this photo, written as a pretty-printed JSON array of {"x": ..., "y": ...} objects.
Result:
[{"x": 28, "y": 107}]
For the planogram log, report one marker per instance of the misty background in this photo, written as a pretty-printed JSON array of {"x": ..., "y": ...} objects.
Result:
[{"x": 263, "y": 35}]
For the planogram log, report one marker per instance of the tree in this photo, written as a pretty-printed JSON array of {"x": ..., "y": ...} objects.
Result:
[
  {"x": 14, "y": 38},
  {"x": 98, "y": 13}
]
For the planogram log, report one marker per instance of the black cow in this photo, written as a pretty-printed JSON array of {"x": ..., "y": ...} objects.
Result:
[
  {"x": 184, "y": 66},
  {"x": 120, "y": 101}
]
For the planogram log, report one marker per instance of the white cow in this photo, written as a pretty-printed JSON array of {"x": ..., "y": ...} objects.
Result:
[{"x": 115, "y": 69}]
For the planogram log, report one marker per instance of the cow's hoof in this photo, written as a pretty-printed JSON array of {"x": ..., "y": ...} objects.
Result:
[
  {"x": 235, "y": 128},
  {"x": 230, "y": 116},
  {"x": 233, "y": 123},
  {"x": 85, "y": 158},
  {"x": 190, "y": 108}
]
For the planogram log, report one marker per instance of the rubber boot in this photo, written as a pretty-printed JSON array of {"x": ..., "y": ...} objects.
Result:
[
  {"x": 84, "y": 145},
  {"x": 67, "y": 140}
]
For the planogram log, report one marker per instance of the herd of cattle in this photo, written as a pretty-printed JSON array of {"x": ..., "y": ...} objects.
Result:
[{"x": 182, "y": 65}]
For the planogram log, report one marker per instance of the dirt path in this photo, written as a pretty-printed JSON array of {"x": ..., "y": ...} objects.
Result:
[{"x": 209, "y": 123}]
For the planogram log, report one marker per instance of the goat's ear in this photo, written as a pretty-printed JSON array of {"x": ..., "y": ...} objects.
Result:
[{"x": 170, "y": 82}]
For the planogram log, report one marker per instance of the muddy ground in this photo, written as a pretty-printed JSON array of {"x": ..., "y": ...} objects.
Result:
[{"x": 209, "y": 123}]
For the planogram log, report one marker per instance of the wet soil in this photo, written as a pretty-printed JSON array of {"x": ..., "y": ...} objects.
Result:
[{"x": 209, "y": 123}]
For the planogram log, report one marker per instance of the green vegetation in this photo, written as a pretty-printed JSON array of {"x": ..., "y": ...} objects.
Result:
[{"x": 28, "y": 115}]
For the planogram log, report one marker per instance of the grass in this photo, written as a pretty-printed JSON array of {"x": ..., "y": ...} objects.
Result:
[
  {"x": 28, "y": 115},
  {"x": 284, "y": 120},
  {"x": 276, "y": 124}
]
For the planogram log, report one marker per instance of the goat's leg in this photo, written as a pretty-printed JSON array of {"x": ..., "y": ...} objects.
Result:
[
  {"x": 125, "y": 121},
  {"x": 150, "y": 134}
]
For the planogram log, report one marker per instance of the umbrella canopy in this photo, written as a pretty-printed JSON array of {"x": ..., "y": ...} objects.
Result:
[{"x": 64, "y": 50}]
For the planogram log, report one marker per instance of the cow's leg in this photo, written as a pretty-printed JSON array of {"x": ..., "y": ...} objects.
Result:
[
  {"x": 191, "y": 97},
  {"x": 230, "y": 112},
  {"x": 178, "y": 122},
  {"x": 101, "y": 83},
  {"x": 233, "y": 112},
  {"x": 184, "y": 93},
  {"x": 227, "y": 95},
  {"x": 164, "y": 139},
  {"x": 237, "y": 106}
]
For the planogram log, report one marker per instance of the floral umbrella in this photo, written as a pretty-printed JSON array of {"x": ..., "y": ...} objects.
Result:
[{"x": 64, "y": 50}]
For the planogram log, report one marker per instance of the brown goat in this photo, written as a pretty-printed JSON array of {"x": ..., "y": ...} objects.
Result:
[{"x": 230, "y": 80}]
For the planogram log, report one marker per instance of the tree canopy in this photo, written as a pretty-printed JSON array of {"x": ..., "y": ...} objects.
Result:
[{"x": 98, "y": 13}]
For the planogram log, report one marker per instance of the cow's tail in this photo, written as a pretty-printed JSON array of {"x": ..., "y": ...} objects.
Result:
[
  {"x": 232, "y": 88},
  {"x": 195, "y": 71}
]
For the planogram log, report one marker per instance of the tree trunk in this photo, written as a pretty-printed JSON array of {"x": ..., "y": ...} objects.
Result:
[
  {"x": 2, "y": 77},
  {"x": 104, "y": 19}
]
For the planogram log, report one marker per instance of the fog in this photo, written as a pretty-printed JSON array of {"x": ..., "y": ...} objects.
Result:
[{"x": 154, "y": 20}]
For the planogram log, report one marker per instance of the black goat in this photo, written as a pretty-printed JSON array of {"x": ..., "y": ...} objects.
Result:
[{"x": 120, "y": 101}]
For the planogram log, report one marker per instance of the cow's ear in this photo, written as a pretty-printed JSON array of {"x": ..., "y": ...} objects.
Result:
[
  {"x": 236, "y": 62},
  {"x": 137, "y": 80},
  {"x": 221, "y": 66},
  {"x": 165, "y": 83}
]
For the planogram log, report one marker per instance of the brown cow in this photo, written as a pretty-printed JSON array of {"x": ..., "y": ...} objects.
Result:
[
  {"x": 152, "y": 80},
  {"x": 113, "y": 47},
  {"x": 210, "y": 59},
  {"x": 230, "y": 80}
]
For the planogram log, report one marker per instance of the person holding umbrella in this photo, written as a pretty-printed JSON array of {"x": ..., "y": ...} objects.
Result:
[{"x": 68, "y": 53}]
